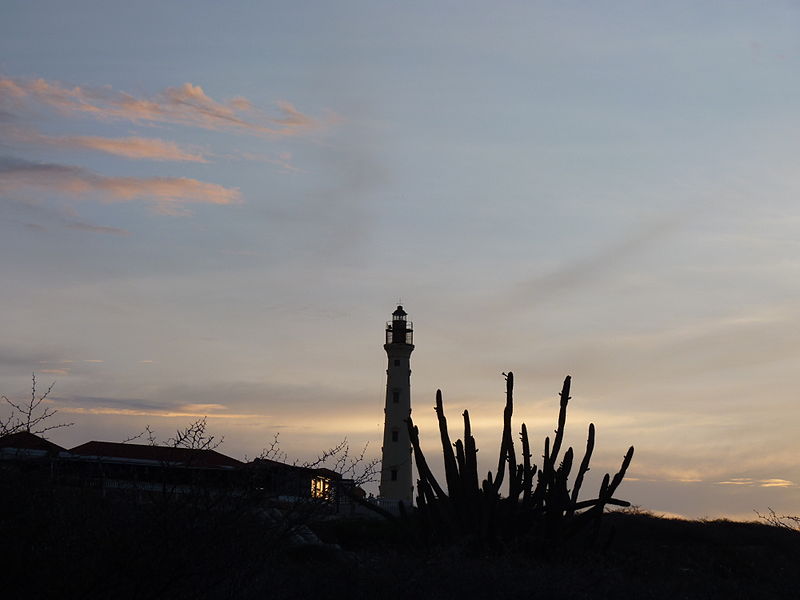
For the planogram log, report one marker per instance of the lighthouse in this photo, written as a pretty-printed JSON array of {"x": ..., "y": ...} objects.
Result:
[{"x": 395, "y": 486}]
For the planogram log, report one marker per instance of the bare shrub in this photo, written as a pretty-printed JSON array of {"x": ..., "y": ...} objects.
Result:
[{"x": 30, "y": 416}]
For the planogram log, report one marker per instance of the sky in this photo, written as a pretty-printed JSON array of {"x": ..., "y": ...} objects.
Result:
[{"x": 211, "y": 209}]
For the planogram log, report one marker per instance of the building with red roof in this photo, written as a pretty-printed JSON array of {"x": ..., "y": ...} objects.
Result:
[
  {"x": 155, "y": 455},
  {"x": 25, "y": 443}
]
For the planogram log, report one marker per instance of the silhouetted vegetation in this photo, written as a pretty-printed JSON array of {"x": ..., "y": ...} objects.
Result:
[
  {"x": 790, "y": 522},
  {"x": 540, "y": 511},
  {"x": 30, "y": 416}
]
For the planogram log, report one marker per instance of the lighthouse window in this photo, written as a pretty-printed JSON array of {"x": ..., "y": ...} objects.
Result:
[
  {"x": 394, "y": 435},
  {"x": 396, "y": 362},
  {"x": 394, "y": 474},
  {"x": 395, "y": 396}
]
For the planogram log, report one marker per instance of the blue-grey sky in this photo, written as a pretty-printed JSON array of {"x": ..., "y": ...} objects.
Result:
[{"x": 212, "y": 208}]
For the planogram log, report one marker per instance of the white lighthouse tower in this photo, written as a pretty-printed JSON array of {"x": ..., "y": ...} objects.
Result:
[{"x": 396, "y": 486}]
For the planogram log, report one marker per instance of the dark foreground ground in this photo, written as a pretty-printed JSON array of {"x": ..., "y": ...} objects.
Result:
[
  {"x": 83, "y": 546},
  {"x": 648, "y": 557}
]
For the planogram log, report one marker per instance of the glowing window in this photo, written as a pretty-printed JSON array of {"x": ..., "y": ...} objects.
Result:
[{"x": 321, "y": 488}]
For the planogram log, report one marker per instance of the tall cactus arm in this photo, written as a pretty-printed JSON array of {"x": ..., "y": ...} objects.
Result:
[
  {"x": 562, "y": 418},
  {"x": 527, "y": 472},
  {"x": 423, "y": 469},
  {"x": 470, "y": 475},
  {"x": 584, "y": 468},
  {"x": 506, "y": 443},
  {"x": 450, "y": 466}
]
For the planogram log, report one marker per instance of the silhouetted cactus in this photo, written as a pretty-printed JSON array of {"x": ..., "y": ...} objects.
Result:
[{"x": 539, "y": 503}]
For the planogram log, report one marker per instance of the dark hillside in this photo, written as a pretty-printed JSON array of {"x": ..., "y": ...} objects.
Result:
[
  {"x": 75, "y": 544},
  {"x": 638, "y": 556}
]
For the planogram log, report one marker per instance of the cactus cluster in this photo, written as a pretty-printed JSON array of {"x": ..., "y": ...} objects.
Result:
[{"x": 539, "y": 504}]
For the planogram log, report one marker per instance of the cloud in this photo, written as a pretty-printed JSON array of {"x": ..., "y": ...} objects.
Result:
[
  {"x": 168, "y": 194},
  {"x": 114, "y": 403},
  {"x": 283, "y": 160},
  {"x": 27, "y": 213},
  {"x": 775, "y": 483},
  {"x": 139, "y": 148},
  {"x": 134, "y": 412},
  {"x": 81, "y": 226},
  {"x": 137, "y": 407},
  {"x": 293, "y": 117},
  {"x": 288, "y": 403},
  {"x": 135, "y": 148},
  {"x": 187, "y": 104},
  {"x": 19, "y": 360},
  {"x": 748, "y": 482},
  {"x": 204, "y": 408},
  {"x": 542, "y": 288},
  {"x": 718, "y": 344},
  {"x": 55, "y": 371},
  {"x": 10, "y": 89}
]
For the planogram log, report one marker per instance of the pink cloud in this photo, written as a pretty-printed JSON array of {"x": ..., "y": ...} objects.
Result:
[
  {"x": 10, "y": 89},
  {"x": 292, "y": 116},
  {"x": 167, "y": 194},
  {"x": 136, "y": 148},
  {"x": 186, "y": 104}
]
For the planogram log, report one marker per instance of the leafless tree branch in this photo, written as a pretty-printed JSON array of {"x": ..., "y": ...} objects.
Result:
[
  {"x": 29, "y": 416},
  {"x": 790, "y": 522}
]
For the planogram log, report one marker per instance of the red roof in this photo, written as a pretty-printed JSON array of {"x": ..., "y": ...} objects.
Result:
[
  {"x": 162, "y": 454},
  {"x": 25, "y": 440}
]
